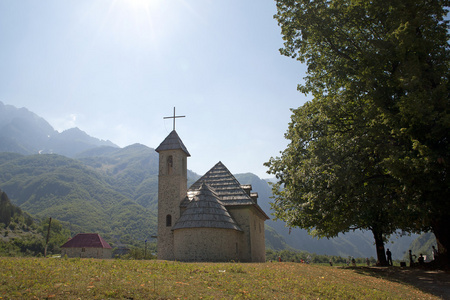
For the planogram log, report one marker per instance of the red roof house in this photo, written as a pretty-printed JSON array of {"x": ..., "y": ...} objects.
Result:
[{"x": 87, "y": 245}]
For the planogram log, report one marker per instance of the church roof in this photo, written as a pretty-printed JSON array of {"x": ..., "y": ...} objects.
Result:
[
  {"x": 206, "y": 211},
  {"x": 226, "y": 186},
  {"x": 86, "y": 240},
  {"x": 172, "y": 142}
]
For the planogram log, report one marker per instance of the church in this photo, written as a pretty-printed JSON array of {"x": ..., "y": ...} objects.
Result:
[{"x": 216, "y": 219}]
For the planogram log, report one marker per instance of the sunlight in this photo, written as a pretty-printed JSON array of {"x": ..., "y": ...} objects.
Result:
[
  {"x": 137, "y": 17},
  {"x": 139, "y": 24},
  {"x": 147, "y": 4},
  {"x": 128, "y": 23}
]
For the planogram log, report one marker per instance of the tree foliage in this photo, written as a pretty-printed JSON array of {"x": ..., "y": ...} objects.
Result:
[
  {"x": 7, "y": 210},
  {"x": 21, "y": 235},
  {"x": 372, "y": 147},
  {"x": 306, "y": 257},
  {"x": 333, "y": 176}
]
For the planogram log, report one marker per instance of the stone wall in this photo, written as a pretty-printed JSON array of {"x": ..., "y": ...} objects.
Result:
[
  {"x": 257, "y": 237},
  {"x": 87, "y": 252},
  {"x": 207, "y": 244},
  {"x": 242, "y": 217},
  {"x": 252, "y": 223}
]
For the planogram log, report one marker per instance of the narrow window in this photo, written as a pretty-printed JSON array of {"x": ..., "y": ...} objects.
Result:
[
  {"x": 168, "y": 220},
  {"x": 170, "y": 164},
  {"x": 83, "y": 249}
]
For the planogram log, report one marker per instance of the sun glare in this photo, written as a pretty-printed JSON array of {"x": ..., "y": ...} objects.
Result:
[
  {"x": 139, "y": 4},
  {"x": 134, "y": 20},
  {"x": 146, "y": 27}
]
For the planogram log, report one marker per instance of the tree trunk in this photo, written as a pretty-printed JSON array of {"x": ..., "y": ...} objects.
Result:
[
  {"x": 379, "y": 243},
  {"x": 441, "y": 229}
]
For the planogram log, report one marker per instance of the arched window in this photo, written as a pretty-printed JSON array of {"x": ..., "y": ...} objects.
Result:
[
  {"x": 168, "y": 220},
  {"x": 169, "y": 164}
]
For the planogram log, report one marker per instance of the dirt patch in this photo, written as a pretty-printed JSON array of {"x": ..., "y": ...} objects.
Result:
[{"x": 435, "y": 282}]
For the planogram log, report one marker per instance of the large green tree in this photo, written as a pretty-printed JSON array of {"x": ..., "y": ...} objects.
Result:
[
  {"x": 386, "y": 65},
  {"x": 331, "y": 177}
]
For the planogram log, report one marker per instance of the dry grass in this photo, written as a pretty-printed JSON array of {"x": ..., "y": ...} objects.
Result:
[{"x": 40, "y": 278}]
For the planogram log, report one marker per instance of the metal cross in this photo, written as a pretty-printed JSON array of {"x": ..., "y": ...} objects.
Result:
[{"x": 174, "y": 117}]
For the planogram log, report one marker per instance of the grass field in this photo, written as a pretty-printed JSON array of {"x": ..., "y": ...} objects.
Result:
[{"x": 55, "y": 278}]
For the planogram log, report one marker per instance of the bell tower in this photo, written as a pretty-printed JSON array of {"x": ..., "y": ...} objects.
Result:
[{"x": 172, "y": 188}]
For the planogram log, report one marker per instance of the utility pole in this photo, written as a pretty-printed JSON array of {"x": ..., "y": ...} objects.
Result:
[
  {"x": 48, "y": 236},
  {"x": 145, "y": 251}
]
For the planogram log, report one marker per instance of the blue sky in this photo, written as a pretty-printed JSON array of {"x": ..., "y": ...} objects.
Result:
[{"x": 115, "y": 68}]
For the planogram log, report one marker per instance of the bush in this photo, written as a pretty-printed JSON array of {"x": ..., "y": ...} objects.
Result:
[{"x": 303, "y": 256}]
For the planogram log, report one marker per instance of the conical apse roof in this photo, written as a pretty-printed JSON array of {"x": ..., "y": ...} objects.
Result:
[{"x": 206, "y": 211}]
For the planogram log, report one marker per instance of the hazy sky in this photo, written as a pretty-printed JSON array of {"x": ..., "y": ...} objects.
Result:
[{"x": 115, "y": 68}]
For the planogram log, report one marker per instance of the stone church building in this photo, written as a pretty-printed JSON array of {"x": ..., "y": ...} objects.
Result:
[{"x": 216, "y": 219}]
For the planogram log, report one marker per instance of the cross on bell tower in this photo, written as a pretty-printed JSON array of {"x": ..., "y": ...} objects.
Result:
[{"x": 174, "y": 117}]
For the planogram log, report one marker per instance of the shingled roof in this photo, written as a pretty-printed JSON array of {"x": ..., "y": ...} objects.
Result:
[
  {"x": 206, "y": 211},
  {"x": 224, "y": 184},
  {"x": 86, "y": 240},
  {"x": 228, "y": 189},
  {"x": 172, "y": 142}
]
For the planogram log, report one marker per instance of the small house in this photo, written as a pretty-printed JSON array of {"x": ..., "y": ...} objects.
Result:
[{"x": 87, "y": 245}]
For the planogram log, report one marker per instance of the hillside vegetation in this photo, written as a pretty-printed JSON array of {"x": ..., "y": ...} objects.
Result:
[
  {"x": 22, "y": 235},
  {"x": 57, "y": 186}
]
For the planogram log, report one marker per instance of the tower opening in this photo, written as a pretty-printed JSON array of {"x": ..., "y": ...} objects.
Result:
[{"x": 170, "y": 165}]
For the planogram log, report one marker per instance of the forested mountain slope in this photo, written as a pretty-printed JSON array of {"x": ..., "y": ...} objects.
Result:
[
  {"x": 60, "y": 187},
  {"x": 23, "y": 234},
  {"x": 132, "y": 170}
]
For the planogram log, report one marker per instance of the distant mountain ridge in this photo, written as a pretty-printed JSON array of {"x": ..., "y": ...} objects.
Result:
[
  {"x": 24, "y": 132},
  {"x": 93, "y": 171}
]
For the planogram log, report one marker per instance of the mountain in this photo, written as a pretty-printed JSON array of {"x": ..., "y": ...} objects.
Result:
[
  {"x": 50, "y": 185},
  {"x": 132, "y": 171},
  {"x": 422, "y": 245},
  {"x": 22, "y": 131}
]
